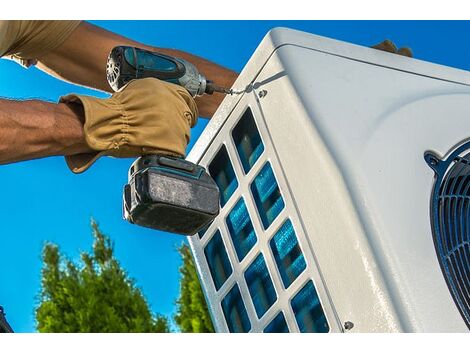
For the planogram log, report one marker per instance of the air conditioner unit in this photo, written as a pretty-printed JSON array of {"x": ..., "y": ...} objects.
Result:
[{"x": 345, "y": 193}]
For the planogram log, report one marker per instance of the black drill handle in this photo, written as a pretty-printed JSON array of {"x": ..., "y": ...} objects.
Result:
[{"x": 126, "y": 63}]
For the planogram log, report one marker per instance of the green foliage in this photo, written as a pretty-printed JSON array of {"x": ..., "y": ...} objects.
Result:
[
  {"x": 97, "y": 296},
  {"x": 192, "y": 315}
]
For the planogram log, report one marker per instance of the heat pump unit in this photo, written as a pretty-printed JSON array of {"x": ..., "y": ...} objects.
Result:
[{"x": 344, "y": 174}]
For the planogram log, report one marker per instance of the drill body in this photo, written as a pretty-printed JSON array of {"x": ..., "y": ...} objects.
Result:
[
  {"x": 163, "y": 192},
  {"x": 126, "y": 63}
]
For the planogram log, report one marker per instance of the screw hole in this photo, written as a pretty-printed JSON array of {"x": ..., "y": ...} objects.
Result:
[{"x": 262, "y": 93}]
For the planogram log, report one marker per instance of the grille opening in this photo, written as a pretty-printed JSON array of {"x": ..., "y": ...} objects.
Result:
[
  {"x": 260, "y": 286},
  {"x": 308, "y": 310},
  {"x": 217, "y": 259},
  {"x": 277, "y": 325},
  {"x": 247, "y": 140},
  {"x": 235, "y": 312},
  {"x": 222, "y": 172},
  {"x": 267, "y": 195},
  {"x": 202, "y": 232},
  {"x": 241, "y": 229},
  {"x": 287, "y": 253}
]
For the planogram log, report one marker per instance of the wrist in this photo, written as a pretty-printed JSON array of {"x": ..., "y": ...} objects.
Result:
[{"x": 68, "y": 129}]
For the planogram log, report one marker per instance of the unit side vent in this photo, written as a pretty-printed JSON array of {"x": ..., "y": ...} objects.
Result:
[{"x": 450, "y": 221}]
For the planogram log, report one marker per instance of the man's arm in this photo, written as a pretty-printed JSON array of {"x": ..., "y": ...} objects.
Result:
[
  {"x": 34, "y": 129},
  {"x": 81, "y": 59}
]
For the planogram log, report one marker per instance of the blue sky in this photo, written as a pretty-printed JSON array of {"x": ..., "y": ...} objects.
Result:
[{"x": 43, "y": 201}]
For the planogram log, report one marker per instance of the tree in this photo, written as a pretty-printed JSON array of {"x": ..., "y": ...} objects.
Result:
[
  {"x": 96, "y": 296},
  {"x": 192, "y": 314}
]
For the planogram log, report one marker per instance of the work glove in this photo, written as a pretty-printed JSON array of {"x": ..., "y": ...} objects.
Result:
[
  {"x": 146, "y": 116},
  {"x": 389, "y": 46}
]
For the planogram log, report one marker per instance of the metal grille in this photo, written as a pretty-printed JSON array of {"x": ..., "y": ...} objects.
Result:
[
  {"x": 261, "y": 238},
  {"x": 450, "y": 218}
]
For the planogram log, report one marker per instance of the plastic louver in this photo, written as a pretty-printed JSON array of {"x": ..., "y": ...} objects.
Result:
[
  {"x": 267, "y": 195},
  {"x": 234, "y": 311},
  {"x": 450, "y": 218}
]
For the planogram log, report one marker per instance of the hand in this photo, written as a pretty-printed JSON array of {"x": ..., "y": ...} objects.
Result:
[
  {"x": 147, "y": 116},
  {"x": 389, "y": 46}
]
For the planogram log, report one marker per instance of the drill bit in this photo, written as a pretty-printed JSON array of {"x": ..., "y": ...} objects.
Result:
[
  {"x": 211, "y": 88},
  {"x": 222, "y": 89}
]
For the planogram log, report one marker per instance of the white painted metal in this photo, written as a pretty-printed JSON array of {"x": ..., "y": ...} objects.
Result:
[{"x": 345, "y": 128}]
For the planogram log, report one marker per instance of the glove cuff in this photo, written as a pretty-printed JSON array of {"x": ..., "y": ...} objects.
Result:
[
  {"x": 106, "y": 130},
  {"x": 105, "y": 121}
]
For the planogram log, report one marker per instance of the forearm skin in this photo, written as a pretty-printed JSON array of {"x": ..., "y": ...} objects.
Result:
[
  {"x": 35, "y": 129},
  {"x": 82, "y": 58}
]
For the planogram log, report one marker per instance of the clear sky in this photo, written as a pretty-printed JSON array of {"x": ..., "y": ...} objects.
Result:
[{"x": 42, "y": 201}]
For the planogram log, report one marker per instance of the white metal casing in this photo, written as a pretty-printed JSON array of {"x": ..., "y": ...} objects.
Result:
[{"x": 345, "y": 128}]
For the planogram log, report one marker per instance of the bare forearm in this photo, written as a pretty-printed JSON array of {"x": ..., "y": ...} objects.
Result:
[
  {"x": 82, "y": 60},
  {"x": 35, "y": 129}
]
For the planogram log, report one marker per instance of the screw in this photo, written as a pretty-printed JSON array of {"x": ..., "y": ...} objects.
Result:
[
  {"x": 348, "y": 325},
  {"x": 433, "y": 161},
  {"x": 262, "y": 93}
]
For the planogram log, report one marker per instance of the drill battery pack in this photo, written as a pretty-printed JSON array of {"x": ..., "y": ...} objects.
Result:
[{"x": 170, "y": 194}]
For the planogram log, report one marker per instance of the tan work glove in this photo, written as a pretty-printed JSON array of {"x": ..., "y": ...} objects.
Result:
[{"x": 147, "y": 116}]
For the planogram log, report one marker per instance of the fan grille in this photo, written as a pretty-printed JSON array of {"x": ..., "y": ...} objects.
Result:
[{"x": 451, "y": 223}]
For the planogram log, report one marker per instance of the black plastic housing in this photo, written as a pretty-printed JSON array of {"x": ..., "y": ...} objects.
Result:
[{"x": 170, "y": 194}]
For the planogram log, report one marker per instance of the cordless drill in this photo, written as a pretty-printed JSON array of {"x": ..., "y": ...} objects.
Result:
[
  {"x": 163, "y": 192},
  {"x": 126, "y": 63}
]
